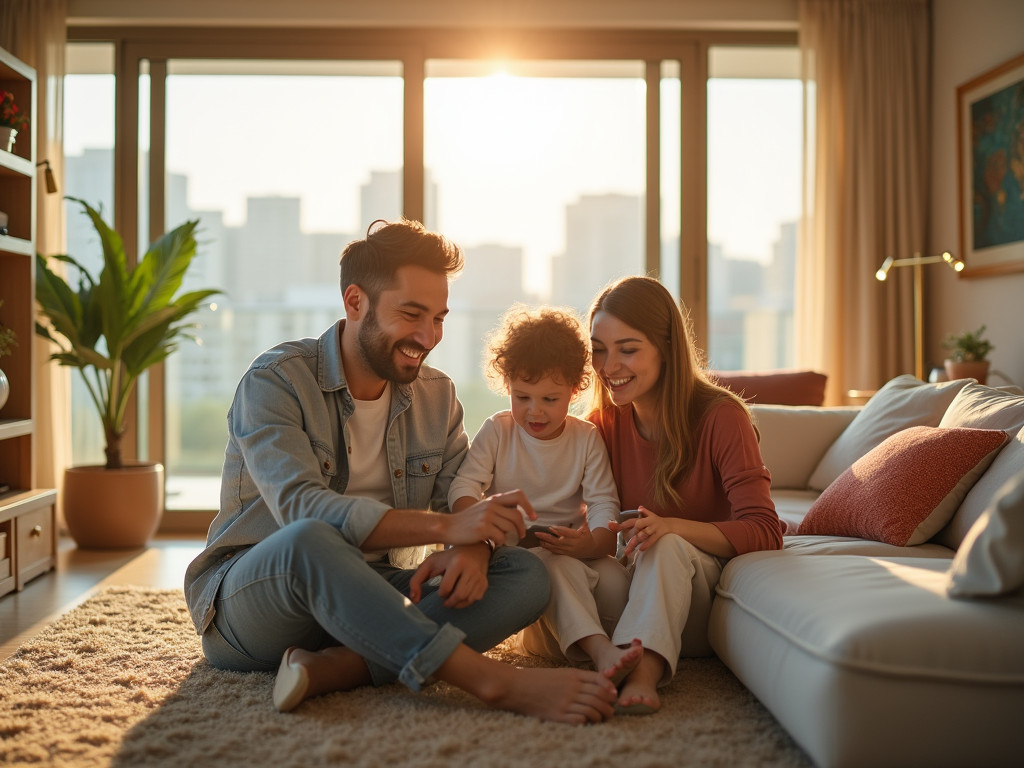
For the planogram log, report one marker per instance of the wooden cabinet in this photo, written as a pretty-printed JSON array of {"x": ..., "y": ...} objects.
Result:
[{"x": 28, "y": 523}]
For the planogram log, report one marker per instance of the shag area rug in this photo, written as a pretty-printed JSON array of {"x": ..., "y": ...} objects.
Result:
[{"x": 122, "y": 681}]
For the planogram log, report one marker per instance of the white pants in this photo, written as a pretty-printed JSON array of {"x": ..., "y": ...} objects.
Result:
[
  {"x": 587, "y": 598},
  {"x": 670, "y": 601}
]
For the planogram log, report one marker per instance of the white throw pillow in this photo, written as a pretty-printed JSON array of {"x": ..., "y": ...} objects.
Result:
[
  {"x": 1008, "y": 464},
  {"x": 904, "y": 402},
  {"x": 980, "y": 407},
  {"x": 991, "y": 560}
]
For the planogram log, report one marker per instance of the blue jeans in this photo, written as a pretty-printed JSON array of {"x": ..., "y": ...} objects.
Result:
[{"x": 305, "y": 585}]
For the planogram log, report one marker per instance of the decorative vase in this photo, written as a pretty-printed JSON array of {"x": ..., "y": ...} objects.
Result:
[
  {"x": 977, "y": 369},
  {"x": 7, "y": 136},
  {"x": 5, "y": 388},
  {"x": 113, "y": 508}
]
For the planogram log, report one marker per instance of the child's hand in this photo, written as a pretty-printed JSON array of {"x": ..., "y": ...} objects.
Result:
[{"x": 575, "y": 542}]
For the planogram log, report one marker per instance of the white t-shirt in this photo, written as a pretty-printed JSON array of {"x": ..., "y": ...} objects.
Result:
[
  {"x": 368, "y": 470},
  {"x": 556, "y": 475}
]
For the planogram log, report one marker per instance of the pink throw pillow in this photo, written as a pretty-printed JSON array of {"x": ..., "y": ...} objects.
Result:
[{"x": 905, "y": 490}]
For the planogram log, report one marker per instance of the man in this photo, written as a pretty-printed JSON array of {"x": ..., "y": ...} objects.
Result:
[{"x": 337, "y": 448}]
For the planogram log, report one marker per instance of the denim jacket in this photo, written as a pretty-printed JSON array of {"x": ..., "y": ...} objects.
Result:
[{"x": 287, "y": 457}]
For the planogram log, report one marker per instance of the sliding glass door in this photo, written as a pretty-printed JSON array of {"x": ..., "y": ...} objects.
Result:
[
  {"x": 283, "y": 163},
  {"x": 558, "y": 160}
]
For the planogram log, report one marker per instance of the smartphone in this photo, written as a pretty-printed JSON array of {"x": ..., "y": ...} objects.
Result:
[
  {"x": 530, "y": 539},
  {"x": 626, "y": 514}
]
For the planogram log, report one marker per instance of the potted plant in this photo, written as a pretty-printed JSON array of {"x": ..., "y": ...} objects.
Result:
[
  {"x": 968, "y": 357},
  {"x": 8, "y": 340},
  {"x": 140, "y": 321},
  {"x": 11, "y": 120}
]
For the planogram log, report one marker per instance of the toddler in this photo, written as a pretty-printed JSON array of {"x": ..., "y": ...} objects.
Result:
[{"x": 541, "y": 360}]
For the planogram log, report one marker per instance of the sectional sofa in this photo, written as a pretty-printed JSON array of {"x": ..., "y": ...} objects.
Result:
[{"x": 857, "y": 646}]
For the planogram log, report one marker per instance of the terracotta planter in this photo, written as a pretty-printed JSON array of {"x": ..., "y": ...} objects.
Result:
[
  {"x": 113, "y": 508},
  {"x": 974, "y": 370}
]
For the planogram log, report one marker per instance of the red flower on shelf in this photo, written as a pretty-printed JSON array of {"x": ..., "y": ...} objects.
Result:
[{"x": 10, "y": 115}]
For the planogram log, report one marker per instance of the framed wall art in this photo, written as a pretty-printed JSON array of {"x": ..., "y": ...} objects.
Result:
[{"x": 990, "y": 138}]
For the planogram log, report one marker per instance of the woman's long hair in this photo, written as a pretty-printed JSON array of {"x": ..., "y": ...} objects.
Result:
[{"x": 685, "y": 390}]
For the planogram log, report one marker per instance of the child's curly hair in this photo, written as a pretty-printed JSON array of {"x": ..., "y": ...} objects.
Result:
[{"x": 531, "y": 344}]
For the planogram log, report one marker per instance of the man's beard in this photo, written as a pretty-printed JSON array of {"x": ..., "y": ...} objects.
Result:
[{"x": 378, "y": 352}]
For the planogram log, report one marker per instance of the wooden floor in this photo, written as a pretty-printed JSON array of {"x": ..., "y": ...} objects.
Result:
[{"x": 81, "y": 573}]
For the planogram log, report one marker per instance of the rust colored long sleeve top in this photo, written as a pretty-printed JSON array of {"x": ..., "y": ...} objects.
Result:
[{"x": 728, "y": 487}]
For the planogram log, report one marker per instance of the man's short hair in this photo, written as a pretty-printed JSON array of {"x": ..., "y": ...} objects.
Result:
[{"x": 371, "y": 263}]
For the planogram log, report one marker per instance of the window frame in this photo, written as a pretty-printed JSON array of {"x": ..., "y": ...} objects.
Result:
[{"x": 413, "y": 47}]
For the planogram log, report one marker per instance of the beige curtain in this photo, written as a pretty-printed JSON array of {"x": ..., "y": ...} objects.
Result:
[
  {"x": 35, "y": 31},
  {"x": 866, "y": 81}
]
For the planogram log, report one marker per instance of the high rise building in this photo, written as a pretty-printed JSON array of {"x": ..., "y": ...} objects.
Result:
[
  {"x": 603, "y": 241},
  {"x": 381, "y": 198}
]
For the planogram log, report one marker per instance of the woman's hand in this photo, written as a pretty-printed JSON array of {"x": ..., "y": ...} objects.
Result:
[
  {"x": 645, "y": 530},
  {"x": 575, "y": 542}
]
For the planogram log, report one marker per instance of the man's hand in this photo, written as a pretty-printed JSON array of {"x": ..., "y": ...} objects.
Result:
[
  {"x": 490, "y": 519},
  {"x": 465, "y": 575}
]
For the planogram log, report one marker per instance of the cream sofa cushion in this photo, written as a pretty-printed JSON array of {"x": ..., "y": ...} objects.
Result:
[
  {"x": 792, "y": 505},
  {"x": 990, "y": 561},
  {"x": 903, "y": 402},
  {"x": 888, "y": 616},
  {"x": 866, "y": 662},
  {"x": 844, "y": 545},
  {"x": 794, "y": 438}
]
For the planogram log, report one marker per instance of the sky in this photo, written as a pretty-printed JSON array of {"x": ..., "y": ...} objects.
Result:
[{"x": 508, "y": 153}]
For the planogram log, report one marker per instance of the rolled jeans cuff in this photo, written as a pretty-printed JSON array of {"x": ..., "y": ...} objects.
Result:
[{"x": 420, "y": 669}]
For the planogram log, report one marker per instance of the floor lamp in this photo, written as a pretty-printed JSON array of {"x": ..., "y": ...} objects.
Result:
[{"x": 918, "y": 261}]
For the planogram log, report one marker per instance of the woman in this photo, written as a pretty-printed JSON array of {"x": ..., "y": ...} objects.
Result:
[{"x": 684, "y": 452}]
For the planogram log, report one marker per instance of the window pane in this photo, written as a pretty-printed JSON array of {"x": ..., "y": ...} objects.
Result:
[
  {"x": 538, "y": 168},
  {"x": 671, "y": 127},
  {"x": 754, "y": 170},
  {"x": 278, "y": 194},
  {"x": 88, "y": 175}
]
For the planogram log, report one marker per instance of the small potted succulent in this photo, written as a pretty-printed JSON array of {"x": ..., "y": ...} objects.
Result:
[
  {"x": 8, "y": 340},
  {"x": 968, "y": 355},
  {"x": 12, "y": 120}
]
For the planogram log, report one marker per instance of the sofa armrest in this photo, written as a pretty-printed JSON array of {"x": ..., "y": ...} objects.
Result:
[{"x": 794, "y": 438}]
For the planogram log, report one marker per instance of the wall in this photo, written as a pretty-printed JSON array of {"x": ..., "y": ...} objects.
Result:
[{"x": 968, "y": 40}]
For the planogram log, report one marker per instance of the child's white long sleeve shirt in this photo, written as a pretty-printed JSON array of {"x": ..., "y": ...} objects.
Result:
[{"x": 556, "y": 475}]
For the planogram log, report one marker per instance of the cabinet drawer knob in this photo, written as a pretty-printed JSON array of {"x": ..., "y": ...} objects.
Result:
[{"x": 37, "y": 531}]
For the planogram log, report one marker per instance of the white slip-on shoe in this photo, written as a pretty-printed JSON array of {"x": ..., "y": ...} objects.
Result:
[{"x": 291, "y": 685}]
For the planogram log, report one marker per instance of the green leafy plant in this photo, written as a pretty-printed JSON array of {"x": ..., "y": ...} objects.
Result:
[
  {"x": 10, "y": 115},
  {"x": 968, "y": 347},
  {"x": 134, "y": 311},
  {"x": 8, "y": 339}
]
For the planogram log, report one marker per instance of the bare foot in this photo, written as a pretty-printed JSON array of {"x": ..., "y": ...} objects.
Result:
[
  {"x": 573, "y": 696},
  {"x": 332, "y": 669},
  {"x": 639, "y": 692},
  {"x": 616, "y": 663}
]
